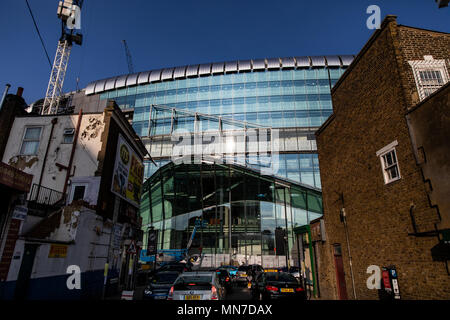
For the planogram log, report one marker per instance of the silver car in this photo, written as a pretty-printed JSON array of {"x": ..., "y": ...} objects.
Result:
[{"x": 201, "y": 285}]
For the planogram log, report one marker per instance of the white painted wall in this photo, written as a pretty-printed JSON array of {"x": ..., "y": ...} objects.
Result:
[
  {"x": 88, "y": 252},
  {"x": 91, "y": 192},
  {"x": 85, "y": 161}
]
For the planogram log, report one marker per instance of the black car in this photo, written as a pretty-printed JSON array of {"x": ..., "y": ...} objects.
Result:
[
  {"x": 276, "y": 285},
  {"x": 256, "y": 270},
  {"x": 160, "y": 284},
  {"x": 225, "y": 279}
]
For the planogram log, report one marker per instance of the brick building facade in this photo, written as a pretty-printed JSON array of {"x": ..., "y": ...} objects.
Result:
[{"x": 372, "y": 105}]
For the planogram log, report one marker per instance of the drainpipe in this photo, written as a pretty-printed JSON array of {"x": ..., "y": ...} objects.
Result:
[
  {"x": 74, "y": 145},
  {"x": 349, "y": 254},
  {"x": 4, "y": 94},
  {"x": 54, "y": 121}
]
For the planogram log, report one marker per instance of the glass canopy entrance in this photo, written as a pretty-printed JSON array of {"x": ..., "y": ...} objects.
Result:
[{"x": 246, "y": 217}]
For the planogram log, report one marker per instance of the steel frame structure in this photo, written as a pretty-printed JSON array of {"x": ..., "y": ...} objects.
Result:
[{"x": 55, "y": 84}]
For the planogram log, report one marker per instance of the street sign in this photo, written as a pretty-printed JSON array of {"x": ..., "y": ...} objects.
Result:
[
  {"x": 132, "y": 247},
  {"x": 20, "y": 212},
  {"x": 390, "y": 282},
  {"x": 386, "y": 280},
  {"x": 152, "y": 241},
  {"x": 117, "y": 236},
  {"x": 394, "y": 280}
]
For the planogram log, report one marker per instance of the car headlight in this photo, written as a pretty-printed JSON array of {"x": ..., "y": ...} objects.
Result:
[{"x": 148, "y": 291}]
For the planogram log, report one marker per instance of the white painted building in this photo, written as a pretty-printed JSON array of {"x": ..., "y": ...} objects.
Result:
[
  {"x": 75, "y": 219},
  {"x": 30, "y": 141}
]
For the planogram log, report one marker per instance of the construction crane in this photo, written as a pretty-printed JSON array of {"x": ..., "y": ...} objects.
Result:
[
  {"x": 128, "y": 55},
  {"x": 69, "y": 11}
]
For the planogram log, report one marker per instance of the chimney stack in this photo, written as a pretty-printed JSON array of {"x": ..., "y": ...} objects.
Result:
[{"x": 19, "y": 91}]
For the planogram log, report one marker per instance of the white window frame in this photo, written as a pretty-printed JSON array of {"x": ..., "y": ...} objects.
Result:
[
  {"x": 65, "y": 134},
  {"x": 78, "y": 184},
  {"x": 381, "y": 153},
  {"x": 428, "y": 64},
  {"x": 23, "y": 139}
]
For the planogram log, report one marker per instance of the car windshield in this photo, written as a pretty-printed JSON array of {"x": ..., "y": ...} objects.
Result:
[
  {"x": 193, "y": 283},
  {"x": 279, "y": 276},
  {"x": 293, "y": 269},
  {"x": 165, "y": 277},
  {"x": 222, "y": 273}
]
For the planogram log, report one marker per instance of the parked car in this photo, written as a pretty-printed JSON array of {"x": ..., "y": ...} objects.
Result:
[
  {"x": 276, "y": 285},
  {"x": 201, "y": 285},
  {"x": 225, "y": 279},
  {"x": 160, "y": 284}
]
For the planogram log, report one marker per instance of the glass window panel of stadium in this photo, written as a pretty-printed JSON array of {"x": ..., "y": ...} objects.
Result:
[{"x": 295, "y": 98}]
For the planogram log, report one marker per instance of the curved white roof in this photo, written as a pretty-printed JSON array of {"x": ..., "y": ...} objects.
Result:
[{"x": 215, "y": 68}]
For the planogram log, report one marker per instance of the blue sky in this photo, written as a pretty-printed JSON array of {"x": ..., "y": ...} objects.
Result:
[{"x": 170, "y": 33}]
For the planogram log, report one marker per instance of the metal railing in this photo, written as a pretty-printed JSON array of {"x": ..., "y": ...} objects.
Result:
[{"x": 45, "y": 196}]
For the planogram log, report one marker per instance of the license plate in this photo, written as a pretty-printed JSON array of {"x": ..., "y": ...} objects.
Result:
[
  {"x": 192, "y": 297},
  {"x": 243, "y": 274},
  {"x": 287, "y": 290}
]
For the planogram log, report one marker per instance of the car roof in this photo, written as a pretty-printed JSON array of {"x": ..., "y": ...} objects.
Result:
[
  {"x": 198, "y": 273},
  {"x": 278, "y": 274},
  {"x": 167, "y": 272}
]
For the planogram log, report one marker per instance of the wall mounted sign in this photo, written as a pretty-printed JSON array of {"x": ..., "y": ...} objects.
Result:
[
  {"x": 128, "y": 173},
  {"x": 58, "y": 251},
  {"x": 20, "y": 212}
]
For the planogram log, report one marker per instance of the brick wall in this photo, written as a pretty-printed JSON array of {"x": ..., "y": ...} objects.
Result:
[
  {"x": 8, "y": 251},
  {"x": 369, "y": 113},
  {"x": 414, "y": 44},
  {"x": 431, "y": 118}
]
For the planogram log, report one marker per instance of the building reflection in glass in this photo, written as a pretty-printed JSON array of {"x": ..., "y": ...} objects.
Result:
[{"x": 247, "y": 217}]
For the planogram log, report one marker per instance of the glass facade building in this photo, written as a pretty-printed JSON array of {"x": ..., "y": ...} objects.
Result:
[
  {"x": 278, "y": 93},
  {"x": 246, "y": 213},
  {"x": 248, "y": 217}
]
